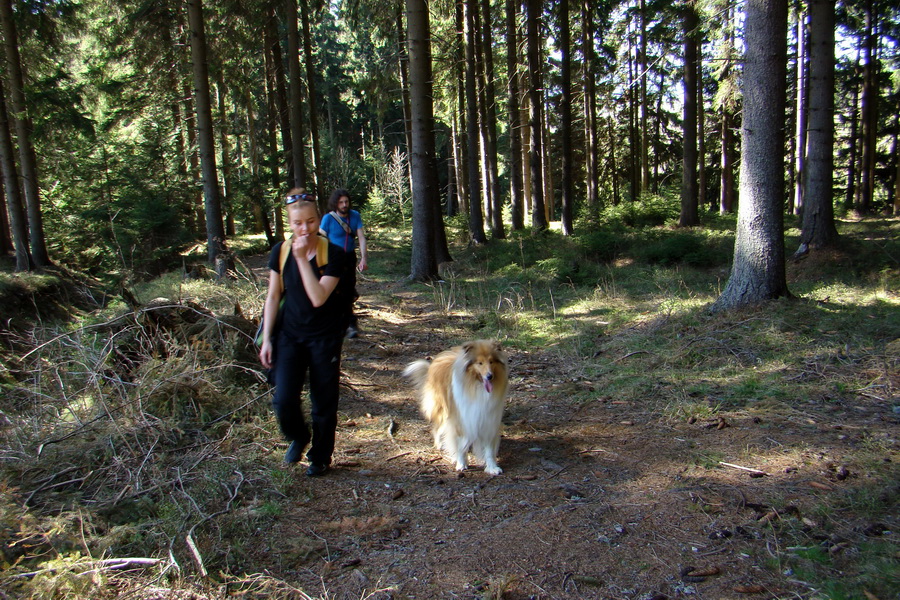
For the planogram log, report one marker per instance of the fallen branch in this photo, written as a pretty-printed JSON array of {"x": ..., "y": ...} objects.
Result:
[
  {"x": 108, "y": 564},
  {"x": 749, "y": 469}
]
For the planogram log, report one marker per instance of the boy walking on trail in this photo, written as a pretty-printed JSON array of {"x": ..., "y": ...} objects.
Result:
[{"x": 343, "y": 227}]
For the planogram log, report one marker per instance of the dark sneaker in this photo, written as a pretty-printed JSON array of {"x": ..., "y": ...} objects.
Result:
[
  {"x": 316, "y": 470},
  {"x": 295, "y": 451},
  {"x": 352, "y": 332}
]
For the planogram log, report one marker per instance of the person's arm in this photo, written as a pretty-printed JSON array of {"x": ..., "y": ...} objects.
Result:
[
  {"x": 270, "y": 315},
  {"x": 317, "y": 289},
  {"x": 363, "y": 252}
]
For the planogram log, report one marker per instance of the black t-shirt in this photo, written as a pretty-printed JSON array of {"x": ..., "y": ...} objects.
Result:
[{"x": 299, "y": 318}]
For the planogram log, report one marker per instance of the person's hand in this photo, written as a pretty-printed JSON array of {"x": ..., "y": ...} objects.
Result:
[
  {"x": 265, "y": 355},
  {"x": 362, "y": 265},
  {"x": 300, "y": 245}
]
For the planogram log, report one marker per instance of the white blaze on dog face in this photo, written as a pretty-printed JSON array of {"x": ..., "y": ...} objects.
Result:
[{"x": 483, "y": 361}]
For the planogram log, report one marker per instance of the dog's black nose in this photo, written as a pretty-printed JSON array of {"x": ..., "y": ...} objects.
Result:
[{"x": 489, "y": 376}]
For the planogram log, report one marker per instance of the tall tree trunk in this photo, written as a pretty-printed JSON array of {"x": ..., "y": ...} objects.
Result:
[
  {"x": 196, "y": 207},
  {"x": 295, "y": 89},
  {"x": 487, "y": 187},
  {"x": 869, "y": 114},
  {"x": 403, "y": 59},
  {"x": 215, "y": 230},
  {"x": 633, "y": 130},
  {"x": 476, "y": 220},
  {"x": 497, "y": 229},
  {"x": 426, "y": 192},
  {"x": 701, "y": 134},
  {"x": 568, "y": 166},
  {"x": 758, "y": 268},
  {"x": 689, "y": 197},
  {"x": 800, "y": 137},
  {"x": 535, "y": 117},
  {"x": 462, "y": 149},
  {"x": 226, "y": 200},
  {"x": 272, "y": 120},
  {"x": 818, "y": 230},
  {"x": 644, "y": 129},
  {"x": 18, "y": 221},
  {"x": 516, "y": 192},
  {"x": 591, "y": 150},
  {"x": 281, "y": 104},
  {"x": 853, "y": 140},
  {"x": 313, "y": 103},
  {"x": 22, "y": 122}
]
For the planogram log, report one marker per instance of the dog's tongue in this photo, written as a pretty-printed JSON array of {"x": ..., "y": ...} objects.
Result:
[{"x": 488, "y": 386}]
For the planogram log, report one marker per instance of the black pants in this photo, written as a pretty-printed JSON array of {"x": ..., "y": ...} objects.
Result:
[{"x": 321, "y": 357}]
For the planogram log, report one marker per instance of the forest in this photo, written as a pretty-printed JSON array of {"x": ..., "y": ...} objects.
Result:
[{"x": 681, "y": 220}]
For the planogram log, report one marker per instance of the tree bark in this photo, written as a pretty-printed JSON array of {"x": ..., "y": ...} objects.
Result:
[
  {"x": 217, "y": 250},
  {"x": 476, "y": 219},
  {"x": 758, "y": 268},
  {"x": 295, "y": 89},
  {"x": 689, "y": 197},
  {"x": 313, "y": 104},
  {"x": 18, "y": 221},
  {"x": 426, "y": 192},
  {"x": 497, "y": 229},
  {"x": 516, "y": 191},
  {"x": 869, "y": 114},
  {"x": 590, "y": 111},
  {"x": 535, "y": 116},
  {"x": 799, "y": 172},
  {"x": 818, "y": 229},
  {"x": 22, "y": 122},
  {"x": 568, "y": 166}
]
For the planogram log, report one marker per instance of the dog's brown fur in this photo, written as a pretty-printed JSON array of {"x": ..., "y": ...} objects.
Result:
[{"x": 463, "y": 392}]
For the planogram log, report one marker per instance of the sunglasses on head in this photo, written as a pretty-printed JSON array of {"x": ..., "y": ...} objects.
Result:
[{"x": 297, "y": 197}]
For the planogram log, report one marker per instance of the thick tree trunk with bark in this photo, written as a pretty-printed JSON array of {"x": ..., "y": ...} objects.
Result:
[
  {"x": 313, "y": 103},
  {"x": 591, "y": 151},
  {"x": 215, "y": 231},
  {"x": 869, "y": 114},
  {"x": 689, "y": 195},
  {"x": 799, "y": 173},
  {"x": 568, "y": 166},
  {"x": 758, "y": 269},
  {"x": 295, "y": 89},
  {"x": 535, "y": 116},
  {"x": 426, "y": 192},
  {"x": 476, "y": 219},
  {"x": 497, "y": 229},
  {"x": 18, "y": 221},
  {"x": 818, "y": 229},
  {"x": 516, "y": 191},
  {"x": 22, "y": 122}
]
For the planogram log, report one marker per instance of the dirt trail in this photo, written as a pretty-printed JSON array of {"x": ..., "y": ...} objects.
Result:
[{"x": 598, "y": 498}]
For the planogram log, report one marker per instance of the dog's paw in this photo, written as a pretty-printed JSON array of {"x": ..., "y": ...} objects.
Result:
[
  {"x": 461, "y": 466},
  {"x": 493, "y": 470}
]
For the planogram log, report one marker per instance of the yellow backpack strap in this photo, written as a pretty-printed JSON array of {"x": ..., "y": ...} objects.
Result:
[
  {"x": 322, "y": 252},
  {"x": 282, "y": 259}
]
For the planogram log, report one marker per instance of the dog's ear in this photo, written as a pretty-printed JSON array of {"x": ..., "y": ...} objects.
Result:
[
  {"x": 497, "y": 347},
  {"x": 467, "y": 347}
]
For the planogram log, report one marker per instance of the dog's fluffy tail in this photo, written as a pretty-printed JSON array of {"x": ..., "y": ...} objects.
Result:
[{"x": 417, "y": 372}]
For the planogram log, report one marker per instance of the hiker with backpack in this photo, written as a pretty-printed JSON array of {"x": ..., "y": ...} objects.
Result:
[
  {"x": 304, "y": 319},
  {"x": 344, "y": 227}
]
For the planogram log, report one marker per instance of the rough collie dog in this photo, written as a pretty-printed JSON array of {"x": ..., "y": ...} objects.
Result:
[{"x": 462, "y": 394}]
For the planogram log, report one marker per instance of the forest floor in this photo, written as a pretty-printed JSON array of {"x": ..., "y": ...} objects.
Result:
[
  {"x": 607, "y": 491},
  {"x": 599, "y": 498}
]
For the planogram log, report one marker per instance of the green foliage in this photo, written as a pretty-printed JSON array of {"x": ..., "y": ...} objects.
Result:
[{"x": 650, "y": 211}]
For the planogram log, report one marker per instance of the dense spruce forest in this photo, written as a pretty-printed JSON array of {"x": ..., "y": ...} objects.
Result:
[
  {"x": 133, "y": 130},
  {"x": 680, "y": 219}
]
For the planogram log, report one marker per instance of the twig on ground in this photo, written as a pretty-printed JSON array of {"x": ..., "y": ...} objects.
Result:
[{"x": 749, "y": 469}]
